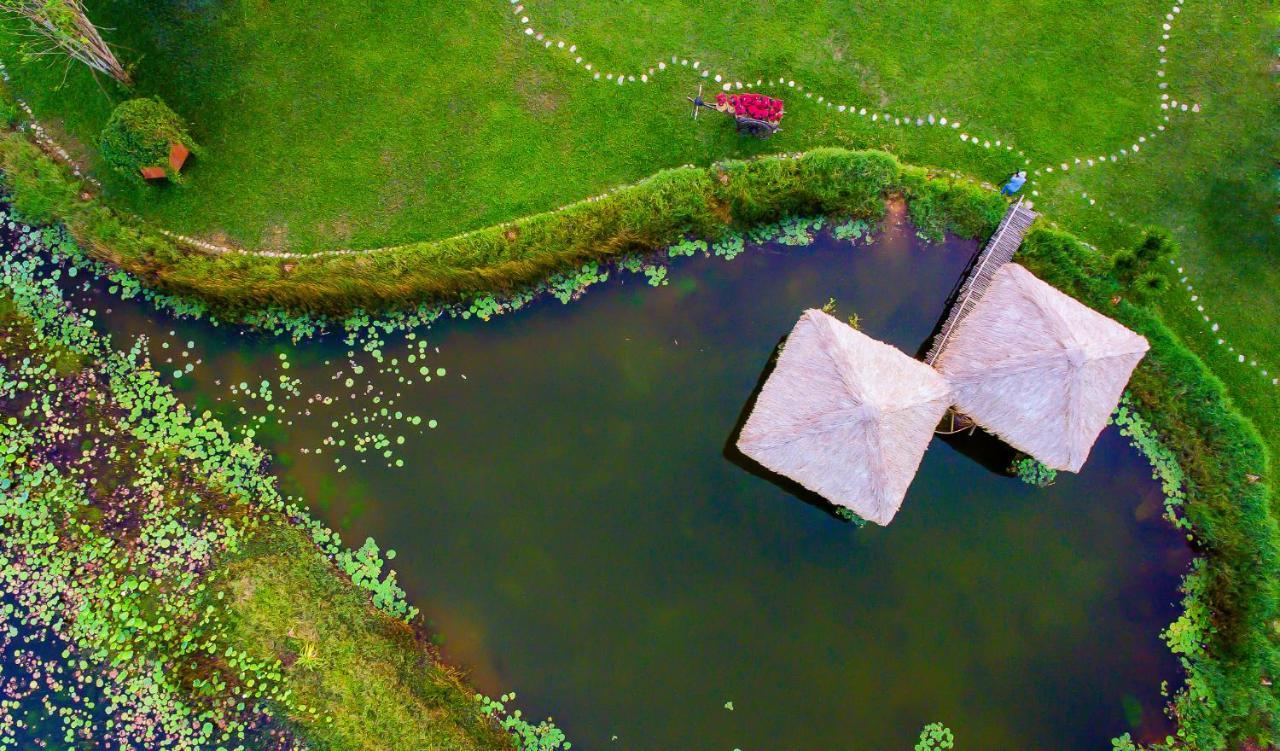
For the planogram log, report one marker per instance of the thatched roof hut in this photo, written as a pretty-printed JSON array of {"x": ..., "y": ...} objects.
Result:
[
  {"x": 1039, "y": 369},
  {"x": 845, "y": 416}
]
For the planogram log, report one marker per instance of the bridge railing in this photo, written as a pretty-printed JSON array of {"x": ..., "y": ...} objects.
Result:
[{"x": 999, "y": 251}]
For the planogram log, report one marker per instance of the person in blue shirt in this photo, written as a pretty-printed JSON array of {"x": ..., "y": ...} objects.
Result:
[{"x": 1015, "y": 184}]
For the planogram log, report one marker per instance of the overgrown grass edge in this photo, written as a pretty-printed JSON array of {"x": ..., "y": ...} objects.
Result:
[{"x": 643, "y": 217}]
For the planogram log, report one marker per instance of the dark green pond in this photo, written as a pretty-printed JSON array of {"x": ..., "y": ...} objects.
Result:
[{"x": 577, "y": 532}]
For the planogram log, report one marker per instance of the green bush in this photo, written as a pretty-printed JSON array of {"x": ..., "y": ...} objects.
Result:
[
  {"x": 1156, "y": 248},
  {"x": 1151, "y": 256},
  {"x": 941, "y": 205},
  {"x": 138, "y": 135},
  {"x": 713, "y": 202},
  {"x": 1125, "y": 266},
  {"x": 1150, "y": 286}
]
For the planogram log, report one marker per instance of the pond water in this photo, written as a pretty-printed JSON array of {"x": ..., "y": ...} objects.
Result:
[{"x": 577, "y": 531}]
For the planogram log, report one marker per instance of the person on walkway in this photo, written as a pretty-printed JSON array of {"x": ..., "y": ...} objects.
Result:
[{"x": 1015, "y": 184}]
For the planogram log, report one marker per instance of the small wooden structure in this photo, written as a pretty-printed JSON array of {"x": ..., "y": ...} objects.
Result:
[
  {"x": 177, "y": 158},
  {"x": 999, "y": 250},
  {"x": 845, "y": 416}
]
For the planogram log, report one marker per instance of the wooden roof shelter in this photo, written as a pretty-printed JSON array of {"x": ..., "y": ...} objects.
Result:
[
  {"x": 1039, "y": 369},
  {"x": 177, "y": 158},
  {"x": 845, "y": 416}
]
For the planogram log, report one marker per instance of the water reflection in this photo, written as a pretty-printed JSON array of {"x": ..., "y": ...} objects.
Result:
[{"x": 578, "y": 531}]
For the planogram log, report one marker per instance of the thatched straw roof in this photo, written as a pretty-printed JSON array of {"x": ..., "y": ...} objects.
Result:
[
  {"x": 845, "y": 416},
  {"x": 1039, "y": 369}
]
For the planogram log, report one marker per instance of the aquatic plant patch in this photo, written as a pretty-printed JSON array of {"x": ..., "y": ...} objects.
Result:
[
  {"x": 1034, "y": 472},
  {"x": 1164, "y": 463},
  {"x": 121, "y": 510},
  {"x": 124, "y": 608}
]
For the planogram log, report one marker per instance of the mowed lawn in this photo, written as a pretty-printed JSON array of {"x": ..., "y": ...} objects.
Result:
[{"x": 356, "y": 124}]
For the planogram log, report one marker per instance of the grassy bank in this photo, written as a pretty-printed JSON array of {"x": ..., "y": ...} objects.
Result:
[
  {"x": 644, "y": 217},
  {"x": 372, "y": 678},
  {"x": 1226, "y": 639},
  {"x": 156, "y": 591}
]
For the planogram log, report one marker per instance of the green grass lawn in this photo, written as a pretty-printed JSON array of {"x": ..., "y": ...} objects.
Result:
[
  {"x": 348, "y": 125},
  {"x": 333, "y": 125}
]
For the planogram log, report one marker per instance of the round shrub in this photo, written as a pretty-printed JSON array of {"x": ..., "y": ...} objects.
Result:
[
  {"x": 1126, "y": 266},
  {"x": 1153, "y": 253},
  {"x": 1150, "y": 286},
  {"x": 1156, "y": 248},
  {"x": 139, "y": 134}
]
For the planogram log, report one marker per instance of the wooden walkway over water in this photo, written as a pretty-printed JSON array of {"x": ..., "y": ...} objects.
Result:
[{"x": 999, "y": 251}]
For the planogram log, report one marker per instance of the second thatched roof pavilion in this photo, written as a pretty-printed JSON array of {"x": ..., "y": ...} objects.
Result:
[
  {"x": 845, "y": 416},
  {"x": 1039, "y": 369}
]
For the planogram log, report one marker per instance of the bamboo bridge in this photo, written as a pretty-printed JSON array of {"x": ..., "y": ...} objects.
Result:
[{"x": 999, "y": 251}]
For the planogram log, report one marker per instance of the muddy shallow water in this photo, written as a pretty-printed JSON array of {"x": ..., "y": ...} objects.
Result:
[{"x": 576, "y": 530}]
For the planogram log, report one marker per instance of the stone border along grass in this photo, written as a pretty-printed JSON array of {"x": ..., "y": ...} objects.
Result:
[
  {"x": 727, "y": 83},
  {"x": 1214, "y": 327},
  {"x": 1167, "y": 104}
]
